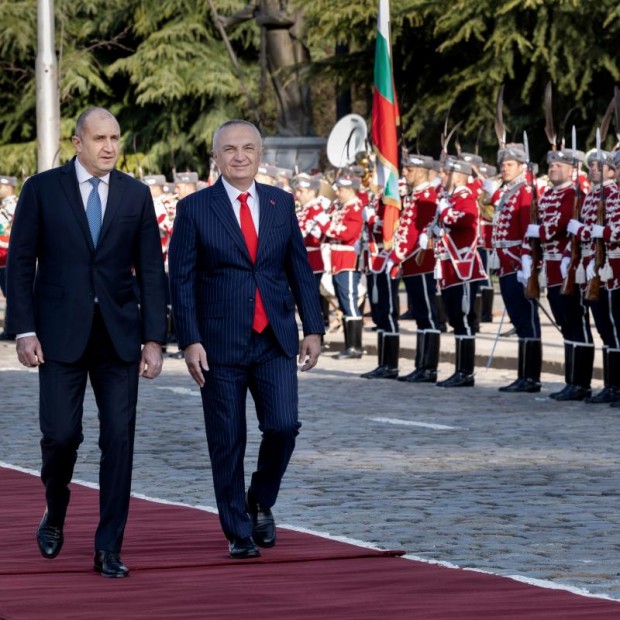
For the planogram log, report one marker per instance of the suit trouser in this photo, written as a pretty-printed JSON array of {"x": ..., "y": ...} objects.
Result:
[
  {"x": 62, "y": 387},
  {"x": 271, "y": 378}
]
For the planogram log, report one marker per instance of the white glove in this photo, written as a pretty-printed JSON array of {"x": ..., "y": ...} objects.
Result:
[
  {"x": 564, "y": 266},
  {"x": 443, "y": 204},
  {"x": 387, "y": 265},
  {"x": 437, "y": 231},
  {"x": 489, "y": 186},
  {"x": 533, "y": 230},
  {"x": 521, "y": 278},
  {"x": 598, "y": 232},
  {"x": 315, "y": 232},
  {"x": 423, "y": 240},
  {"x": 574, "y": 226},
  {"x": 309, "y": 226},
  {"x": 367, "y": 213},
  {"x": 526, "y": 266},
  {"x": 590, "y": 270}
]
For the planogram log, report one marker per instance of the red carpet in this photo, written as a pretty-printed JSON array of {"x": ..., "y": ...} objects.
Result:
[{"x": 180, "y": 569}]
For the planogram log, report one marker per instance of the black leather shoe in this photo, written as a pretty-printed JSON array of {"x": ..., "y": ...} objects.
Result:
[
  {"x": 606, "y": 395},
  {"x": 242, "y": 548},
  {"x": 350, "y": 354},
  {"x": 421, "y": 375},
  {"x": 264, "y": 525},
  {"x": 575, "y": 392},
  {"x": 458, "y": 379},
  {"x": 522, "y": 385},
  {"x": 109, "y": 564},
  {"x": 49, "y": 538},
  {"x": 381, "y": 372}
]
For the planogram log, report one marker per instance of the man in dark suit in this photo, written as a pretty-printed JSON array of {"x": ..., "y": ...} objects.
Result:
[
  {"x": 79, "y": 234},
  {"x": 238, "y": 266}
]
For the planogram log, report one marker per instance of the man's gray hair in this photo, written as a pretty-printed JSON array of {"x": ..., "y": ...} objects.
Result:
[
  {"x": 81, "y": 121},
  {"x": 236, "y": 121}
]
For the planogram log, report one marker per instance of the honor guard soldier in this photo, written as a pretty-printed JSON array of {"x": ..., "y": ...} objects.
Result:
[
  {"x": 186, "y": 183},
  {"x": 513, "y": 203},
  {"x": 556, "y": 207},
  {"x": 382, "y": 283},
  {"x": 344, "y": 236},
  {"x": 283, "y": 179},
  {"x": 8, "y": 202},
  {"x": 165, "y": 208},
  {"x": 484, "y": 186},
  {"x": 597, "y": 272},
  {"x": 267, "y": 174},
  {"x": 419, "y": 206},
  {"x": 313, "y": 221},
  {"x": 459, "y": 268}
]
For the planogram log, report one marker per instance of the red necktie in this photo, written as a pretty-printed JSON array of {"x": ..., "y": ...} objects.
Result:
[{"x": 251, "y": 240}]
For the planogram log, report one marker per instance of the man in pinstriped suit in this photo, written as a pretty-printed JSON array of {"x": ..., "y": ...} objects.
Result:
[{"x": 234, "y": 308}]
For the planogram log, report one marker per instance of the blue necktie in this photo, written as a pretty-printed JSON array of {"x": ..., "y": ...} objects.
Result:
[{"x": 93, "y": 210}]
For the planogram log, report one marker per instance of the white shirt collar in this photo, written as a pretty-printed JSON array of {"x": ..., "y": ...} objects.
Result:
[
  {"x": 83, "y": 175},
  {"x": 233, "y": 192}
]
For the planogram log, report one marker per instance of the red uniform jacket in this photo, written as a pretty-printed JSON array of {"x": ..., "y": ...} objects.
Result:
[
  {"x": 417, "y": 213},
  {"x": 344, "y": 235},
  {"x": 456, "y": 248},
  {"x": 313, "y": 222},
  {"x": 512, "y": 215}
]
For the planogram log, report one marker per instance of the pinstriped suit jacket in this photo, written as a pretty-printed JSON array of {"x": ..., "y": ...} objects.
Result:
[{"x": 213, "y": 280}]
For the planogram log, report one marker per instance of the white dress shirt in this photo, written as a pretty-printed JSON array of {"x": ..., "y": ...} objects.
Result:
[{"x": 233, "y": 195}]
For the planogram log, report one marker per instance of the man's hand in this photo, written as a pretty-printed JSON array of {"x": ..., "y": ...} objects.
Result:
[
  {"x": 29, "y": 351},
  {"x": 309, "y": 352},
  {"x": 196, "y": 360},
  {"x": 152, "y": 360}
]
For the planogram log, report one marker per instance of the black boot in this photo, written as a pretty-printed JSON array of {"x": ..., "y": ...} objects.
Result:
[
  {"x": 613, "y": 362},
  {"x": 529, "y": 367},
  {"x": 389, "y": 368},
  {"x": 568, "y": 369},
  {"x": 372, "y": 374},
  {"x": 353, "y": 339},
  {"x": 606, "y": 394},
  {"x": 477, "y": 311},
  {"x": 419, "y": 352},
  {"x": 465, "y": 358},
  {"x": 441, "y": 313},
  {"x": 581, "y": 375},
  {"x": 427, "y": 372},
  {"x": 486, "y": 315}
]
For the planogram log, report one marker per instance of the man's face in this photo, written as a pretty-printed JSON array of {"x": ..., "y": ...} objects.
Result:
[
  {"x": 510, "y": 169},
  {"x": 414, "y": 176},
  {"x": 185, "y": 189},
  {"x": 99, "y": 145},
  {"x": 559, "y": 173},
  {"x": 237, "y": 154},
  {"x": 6, "y": 190},
  {"x": 304, "y": 195},
  {"x": 344, "y": 194}
]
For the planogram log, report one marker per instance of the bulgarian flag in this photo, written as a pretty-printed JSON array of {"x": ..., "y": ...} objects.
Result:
[{"x": 385, "y": 118}]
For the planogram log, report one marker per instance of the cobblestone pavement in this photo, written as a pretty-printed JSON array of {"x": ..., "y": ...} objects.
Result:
[{"x": 516, "y": 485}]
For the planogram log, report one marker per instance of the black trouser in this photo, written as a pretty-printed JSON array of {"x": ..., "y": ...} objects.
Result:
[
  {"x": 422, "y": 290},
  {"x": 62, "y": 388},
  {"x": 383, "y": 295},
  {"x": 571, "y": 314},
  {"x": 459, "y": 302},
  {"x": 522, "y": 312}
]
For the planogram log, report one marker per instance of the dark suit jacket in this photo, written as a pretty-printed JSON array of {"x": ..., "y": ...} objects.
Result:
[
  {"x": 54, "y": 272},
  {"x": 213, "y": 280}
]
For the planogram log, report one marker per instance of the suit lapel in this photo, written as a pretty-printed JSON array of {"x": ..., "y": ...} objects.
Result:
[
  {"x": 222, "y": 208},
  {"x": 69, "y": 183},
  {"x": 267, "y": 213}
]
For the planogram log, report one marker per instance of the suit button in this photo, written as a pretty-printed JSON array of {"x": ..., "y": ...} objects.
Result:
[{"x": 251, "y": 299}]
